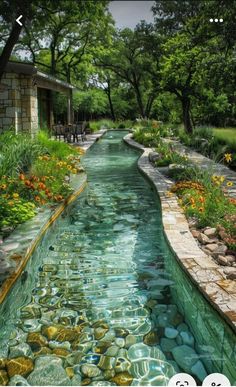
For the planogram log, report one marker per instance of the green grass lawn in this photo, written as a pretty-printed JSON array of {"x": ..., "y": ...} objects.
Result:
[{"x": 227, "y": 134}]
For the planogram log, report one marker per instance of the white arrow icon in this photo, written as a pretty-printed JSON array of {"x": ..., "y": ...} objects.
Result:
[{"x": 18, "y": 20}]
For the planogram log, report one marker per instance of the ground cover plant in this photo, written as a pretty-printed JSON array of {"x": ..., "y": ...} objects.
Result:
[{"x": 33, "y": 173}]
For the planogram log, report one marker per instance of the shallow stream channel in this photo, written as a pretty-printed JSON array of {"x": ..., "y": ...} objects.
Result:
[{"x": 103, "y": 300}]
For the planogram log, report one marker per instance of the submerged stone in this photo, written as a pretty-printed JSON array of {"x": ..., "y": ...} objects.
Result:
[
  {"x": 76, "y": 380},
  {"x": 18, "y": 380},
  {"x": 138, "y": 350},
  {"x": 151, "y": 338},
  {"x": 100, "y": 332},
  {"x": 3, "y": 378},
  {"x": 90, "y": 370},
  {"x": 199, "y": 370},
  {"x": 112, "y": 351},
  {"x": 187, "y": 338},
  {"x": 19, "y": 366},
  {"x": 185, "y": 357},
  {"x": 121, "y": 332},
  {"x": 122, "y": 364},
  {"x": 130, "y": 340},
  {"x": 19, "y": 350},
  {"x": 171, "y": 333},
  {"x": 36, "y": 341},
  {"x": 122, "y": 379},
  {"x": 48, "y": 371},
  {"x": 107, "y": 362}
]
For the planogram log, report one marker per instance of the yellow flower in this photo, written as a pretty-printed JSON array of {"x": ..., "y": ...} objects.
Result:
[
  {"x": 11, "y": 203},
  {"x": 193, "y": 206},
  {"x": 3, "y": 186},
  {"x": 229, "y": 184},
  {"x": 228, "y": 157},
  {"x": 222, "y": 179},
  {"x": 15, "y": 195},
  {"x": 201, "y": 209},
  {"x": 74, "y": 170}
]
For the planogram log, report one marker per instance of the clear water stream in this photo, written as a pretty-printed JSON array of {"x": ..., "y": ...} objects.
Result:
[{"x": 98, "y": 306}]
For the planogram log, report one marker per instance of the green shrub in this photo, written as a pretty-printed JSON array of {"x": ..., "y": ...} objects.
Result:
[{"x": 59, "y": 149}]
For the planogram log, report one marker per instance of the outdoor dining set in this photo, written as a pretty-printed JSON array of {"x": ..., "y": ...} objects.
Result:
[{"x": 71, "y": 132}]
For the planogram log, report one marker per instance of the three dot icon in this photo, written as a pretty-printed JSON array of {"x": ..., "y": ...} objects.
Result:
[{"x": 216, "y": 20}]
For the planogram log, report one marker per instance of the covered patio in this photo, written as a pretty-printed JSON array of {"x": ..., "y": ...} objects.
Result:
[{"x": 26, "y": 98}]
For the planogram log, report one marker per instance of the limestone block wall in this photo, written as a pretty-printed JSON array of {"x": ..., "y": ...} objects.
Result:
[{"x": 18, "y": 103}]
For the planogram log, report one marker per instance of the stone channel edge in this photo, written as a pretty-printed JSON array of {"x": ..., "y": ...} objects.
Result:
[
  {"x": 200, "y": 268},
  {"x": 21, "y": 253}
]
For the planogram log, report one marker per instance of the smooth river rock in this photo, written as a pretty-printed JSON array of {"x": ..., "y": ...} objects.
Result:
[
  {"x": 122, "y": 379},
  {"x": 3, "y": 378},
  {"x": 19, "y": 366},
  {"x": 90, "y": 370},
  {"x": 48, "y": 371},
  {"x": 171, "y": 333},
  {"x": 185, "y": 357},
  {"x": 19, "y": 350},
  {"x": 18, "y": 380}
]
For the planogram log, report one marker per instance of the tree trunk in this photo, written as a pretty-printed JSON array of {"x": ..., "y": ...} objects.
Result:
[
  {"x": 149, "y": 105},
  {"x": 11, "y": 41},
  {"x": 186, "y": 114},
  {"x": 139, "y": 101}
]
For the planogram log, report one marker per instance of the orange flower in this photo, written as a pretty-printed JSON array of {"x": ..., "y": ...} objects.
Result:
[
  {"x": 192, "y": 200},
  {"x": 49, "y": 195},
  {"x": 27, "y": 183},
  {"x": 41, "y": 186},
  {"x": 201, "y": 209},
  {"x": 37, "y": 198},
  {"x": 3, "y": 186},
  {"x": 22, "y": 177},
  {"x": 43, "y": 201},
  {"x": 32, "y": 186},
  {"x": 15, "y": 195},
  {"x": 58, "y": 198},
  {"x": 201, "y": 199}
]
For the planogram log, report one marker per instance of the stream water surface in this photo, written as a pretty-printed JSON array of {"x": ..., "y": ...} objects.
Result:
[{"x": 98, "y": 308}]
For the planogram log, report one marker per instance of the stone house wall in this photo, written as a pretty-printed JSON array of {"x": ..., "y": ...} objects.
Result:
[{"x": 18, "y": 103}]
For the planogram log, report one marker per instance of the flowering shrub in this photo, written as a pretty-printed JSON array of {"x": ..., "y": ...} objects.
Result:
[
  {"x": 209, "y": 205},
  {"x": 43, "y": 180}
]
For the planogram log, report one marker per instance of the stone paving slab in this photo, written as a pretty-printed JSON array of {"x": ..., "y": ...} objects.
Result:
[
  {"x": 202, "y": 270},
  {"x": 16, "y": 250},
  {"x": 206, "y": 163},
  {"x": 90, "y": 140}
]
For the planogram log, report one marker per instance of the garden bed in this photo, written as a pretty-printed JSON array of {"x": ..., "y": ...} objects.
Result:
[
  {"x": 22, "y": 236},
  {"x": 202, "y": 194},
  {"x": 207, "y": 275}
]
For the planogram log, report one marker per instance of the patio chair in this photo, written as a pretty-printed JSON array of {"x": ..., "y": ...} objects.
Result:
[
  {"x": 58, "y": 131},
  {"x": 79, "y": 129}
]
